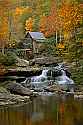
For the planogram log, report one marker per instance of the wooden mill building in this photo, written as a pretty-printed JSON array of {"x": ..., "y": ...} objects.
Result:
[{"x": 34, "y": 40}]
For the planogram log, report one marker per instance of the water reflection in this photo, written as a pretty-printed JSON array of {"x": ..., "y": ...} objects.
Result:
[{"x": 44, "y": 110}]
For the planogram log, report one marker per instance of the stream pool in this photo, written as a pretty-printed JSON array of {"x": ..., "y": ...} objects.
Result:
[{"x": 44, "y": 110}]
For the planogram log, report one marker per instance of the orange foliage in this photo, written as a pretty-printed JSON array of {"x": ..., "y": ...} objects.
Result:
[
  {"x": 20, "y": 10},
  {"x": 29, "y": 24},
  {"x": 4, "y": 21},
  {"x": 3, "y": 31},
  {"x": 43, "y": 23},
  {"x": 70, "y": 15},
  {"x": 61, "y": 46},
  {"x": 50, "y": 24}
]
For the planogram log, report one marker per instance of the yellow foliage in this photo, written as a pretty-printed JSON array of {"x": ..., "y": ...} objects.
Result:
[
  {"x": 4, "y": 28},
  {"x": 61, "y": 46},
  {"x": 70, "y": 15},
  {"x": 29, "y": 24},
  {"x": 67, "y": 35},
  {"x": 20, "y": 10},
  {"x": 4, "y": 31}
]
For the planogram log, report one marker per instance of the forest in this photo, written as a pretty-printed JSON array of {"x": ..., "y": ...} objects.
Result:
[
  {"x": 41, "y": 62},
  {"x": 61, "y": 22}
]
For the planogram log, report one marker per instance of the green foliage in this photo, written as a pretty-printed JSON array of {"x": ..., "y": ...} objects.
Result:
[
  {"x": 49, "y": 46},
  {"x": 77, "y": 77},
  {"x": 7, "y": 59},
  {"x": 74, "y": 47},
  {"x": 12, "y": 43},
  {"x": 77, "y": 73}
]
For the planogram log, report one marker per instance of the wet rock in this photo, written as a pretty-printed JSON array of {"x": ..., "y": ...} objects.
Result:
[
  {"x": 53, "y": 88},
  {"x": 54, "y": 72},
  {"x": 38, "y": 89},
  {"x": 78, "y": 96},
  {"x": 25, "y": 71},
  {"x": 79, "y": 88},
  {"x": 17, "y": 88},
  {"x": 26, "y": 83}
]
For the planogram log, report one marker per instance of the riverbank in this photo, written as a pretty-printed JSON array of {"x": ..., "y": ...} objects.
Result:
[
  {"x": 12, "y": 93},
  {"x": 8, "y": 98},
  {"x": 17, "y": 93}
]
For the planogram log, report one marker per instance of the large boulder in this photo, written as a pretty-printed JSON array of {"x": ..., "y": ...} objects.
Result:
[
  {"x": 17, "y": 88},
  {"x": 53, "y": 88},
  {"x": 47, "y": 61}
]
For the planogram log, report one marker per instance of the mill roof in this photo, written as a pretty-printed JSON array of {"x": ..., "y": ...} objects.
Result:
[{"x": 37, "y": 35}]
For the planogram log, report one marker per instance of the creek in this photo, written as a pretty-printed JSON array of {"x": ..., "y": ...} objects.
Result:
[
  {"x": 47, "y": 108},
  {"x": 44, "y": 110}
]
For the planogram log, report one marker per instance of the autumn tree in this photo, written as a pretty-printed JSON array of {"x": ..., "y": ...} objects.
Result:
[
  {"x": 71, "y": 16},
  {"x": 70, "y": 13},
  {"x": 21, "y": 14},
  {"x": 41, "y": 7},
  {"x": 50, "y": 25},
  {"x": 4, "y": 23},
  {"x": 29, "y": 24}
]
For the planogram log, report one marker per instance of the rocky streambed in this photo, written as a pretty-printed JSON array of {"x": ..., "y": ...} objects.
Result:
[
  {"x": 12, "y": 93},
  {"x": 15, "y": 92}
]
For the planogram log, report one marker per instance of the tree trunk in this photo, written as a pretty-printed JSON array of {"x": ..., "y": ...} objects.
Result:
[
  {"x": 56, "y": 36},
  {"x": 3, "y": 48},
  {"x": 60, "y": 35}
]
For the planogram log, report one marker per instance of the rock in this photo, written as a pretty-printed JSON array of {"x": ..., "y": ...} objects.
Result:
[
  {"x": 3, "y": 90},
  {"x": 22, "y": 62},
  {"x": 45, "y": 61},
  {"x": 17, "y": 88},
  {"x": 79, "y": 88},
  {"x": 53, "y": 88},
  {"x": 78, "y": 96},
  {"x": 26, "y": 83},
  {"x": 9, "y": 99},
  {"x": 19, "y": 99},
  {"x": 38, "y": 89},
  {"x": 24, "y": 71}
]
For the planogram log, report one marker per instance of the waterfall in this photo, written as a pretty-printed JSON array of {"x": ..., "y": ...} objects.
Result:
[
  {"x": 42, "y": 79},
  {"x": 63, "y": 79},
  {"x": 39, "y": 81},
  {"x": 44, "y": 73}
]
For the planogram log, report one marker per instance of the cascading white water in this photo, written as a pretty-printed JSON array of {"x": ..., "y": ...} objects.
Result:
[
  {"x": 63, "y": 79},
  {"x": 42, "y": 80},
  {"x": 44, "y": 72}
]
